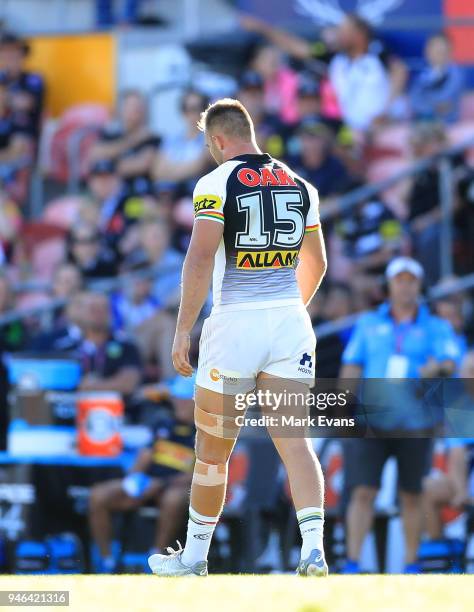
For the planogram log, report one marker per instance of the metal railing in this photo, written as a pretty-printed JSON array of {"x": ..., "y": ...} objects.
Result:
[
  {"x": 343, "y": 205},
  {"x": 437, "y": 292},
  {"x": 104, "y": 285},
  {"x": 443, "y": 161}
]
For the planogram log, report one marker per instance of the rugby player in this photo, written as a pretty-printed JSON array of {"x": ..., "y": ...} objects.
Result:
[{"x": 257, "y": 236}]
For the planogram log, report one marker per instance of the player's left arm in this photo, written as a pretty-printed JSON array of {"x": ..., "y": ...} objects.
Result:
[
  {"x": 312, "y": 265},
  {"x": 312, "y": 256},
  {"x": 196, "y": 281}
]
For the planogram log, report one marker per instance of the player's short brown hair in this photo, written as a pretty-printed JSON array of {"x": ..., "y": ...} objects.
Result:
[{"x": 230, "y": 116}]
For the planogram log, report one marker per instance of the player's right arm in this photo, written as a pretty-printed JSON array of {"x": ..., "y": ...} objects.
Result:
[{"x": 208, "y": 199}]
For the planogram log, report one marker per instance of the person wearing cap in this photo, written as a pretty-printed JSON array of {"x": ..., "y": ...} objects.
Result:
[
  {"x": 122, "y": 204},
  {"x": 87, "y": 251},
  {"x": 161, "y": 475},
  {"x": 310, "y": 106},
  {"x": 399, "y": 340},
  {"x": 316, "y": 162},
  {"x": 27, "y": 89},
  {"x": 270, "y": 131}
]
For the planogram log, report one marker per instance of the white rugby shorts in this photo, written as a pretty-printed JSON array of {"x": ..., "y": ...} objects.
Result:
[{"x": 236, "y": 345}]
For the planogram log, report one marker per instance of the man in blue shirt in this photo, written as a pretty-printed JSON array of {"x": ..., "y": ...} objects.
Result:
[{"x": 400, "y": 340}]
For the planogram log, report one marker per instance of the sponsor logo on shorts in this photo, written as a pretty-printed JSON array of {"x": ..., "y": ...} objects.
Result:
[
  {"x": 306, "y": 363},
  {"x": 207, "y": 202},
  {"x": 228, "y": 377},
  {"x": 259, "y": 260}
]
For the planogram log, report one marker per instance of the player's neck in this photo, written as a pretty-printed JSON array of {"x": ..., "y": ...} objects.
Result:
[{"x": 241, "y": 148}]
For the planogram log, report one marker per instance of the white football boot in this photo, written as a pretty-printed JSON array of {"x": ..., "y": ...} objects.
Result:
[{"x": 171, "y": 564}]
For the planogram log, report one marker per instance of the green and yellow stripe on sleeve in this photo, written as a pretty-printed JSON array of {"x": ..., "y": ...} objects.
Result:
[{"x": 311, "y": 228}]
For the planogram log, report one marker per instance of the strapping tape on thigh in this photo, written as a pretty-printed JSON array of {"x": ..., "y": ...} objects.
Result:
[
  {"x": 217, "y": 425},
  {"x": 209, "y": 475}
]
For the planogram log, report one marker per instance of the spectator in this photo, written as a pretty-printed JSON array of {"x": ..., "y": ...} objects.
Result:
[
  {"x": 279, "y": 81},
  {"x": 165, "y": 262},
  {"x": 451, "y": 308},
  {"x": 269, "y": 130},
  {"x": 15, "y": 141},
  {"x": 67, "y": 281},
  {"x": 309, "y": 108},
  {"x": 109, "y": 361},
  {"x": 10, "y": 225},
  {"x": 316, "y": 162},
  {"x": 366, "y": 82},
  {"x": 436, "y": 92},
  {"x": 448, "y": 488},
  {"x": 185, "y": 149},
  {"x": 400, "y": 340},
  {"x": 337, "y": 304},
  {"x": 134, "y": 150},
  {"x": 134, "y": 303},
  {"x": 371, "y": 235},
  {"x": 120, "y": 207},
  {"x": 13, "y": 334},
  {"x": 424, "y": 209},
  {"x": 464, "y": 223},
  {"x": 161, "y": 474},
  {"x": 87, "y": 252},
  {"x": 129, "y": 143},
  {"x": 27, "y": 89},
  {"x": 452, "y": 488},
  {"x": 66, "y": 334},
  {"x": 189, "y": 144},
  {"x": 137, "y": 311}
]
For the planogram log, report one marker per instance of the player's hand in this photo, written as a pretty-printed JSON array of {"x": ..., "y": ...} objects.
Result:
[
  {"x": 459, "y": 499},
  {"x": 180, "y": 354}
]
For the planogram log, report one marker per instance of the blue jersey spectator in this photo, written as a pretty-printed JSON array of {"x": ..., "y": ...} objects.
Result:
[
  {"x": 401, "y": 340},
  {"x": 437, "y": 91},
  {"x": 386, "y": 348}
]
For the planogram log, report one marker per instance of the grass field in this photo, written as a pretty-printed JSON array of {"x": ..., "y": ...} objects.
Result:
[{"x": 255, "y": 593}]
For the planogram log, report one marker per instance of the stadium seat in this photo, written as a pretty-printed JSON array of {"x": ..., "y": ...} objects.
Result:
[
  {"x": 391, "y": 141},
  {"x": 81, "y": 124}
]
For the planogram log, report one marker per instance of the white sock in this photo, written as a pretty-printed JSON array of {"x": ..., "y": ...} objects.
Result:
[
  {"x": 311, "y": 523},
  {"x": 198, "y": 539}
]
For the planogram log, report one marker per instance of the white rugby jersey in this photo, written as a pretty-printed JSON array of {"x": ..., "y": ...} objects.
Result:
[{"x": 266, "y": 209}]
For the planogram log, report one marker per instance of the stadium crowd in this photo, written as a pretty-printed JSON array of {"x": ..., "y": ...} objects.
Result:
[{"x": 342, "y": 111}]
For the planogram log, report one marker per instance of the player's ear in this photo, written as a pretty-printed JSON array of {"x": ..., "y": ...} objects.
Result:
[{"x": 219, "y": 142}]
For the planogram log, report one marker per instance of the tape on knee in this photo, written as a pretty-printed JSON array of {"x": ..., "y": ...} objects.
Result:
[
  {"x": 218, "y": 425},
  {"x": 209, "y": 475}
]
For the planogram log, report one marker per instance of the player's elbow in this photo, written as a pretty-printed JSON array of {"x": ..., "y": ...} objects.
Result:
[{"x": 321, "y": 266}]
